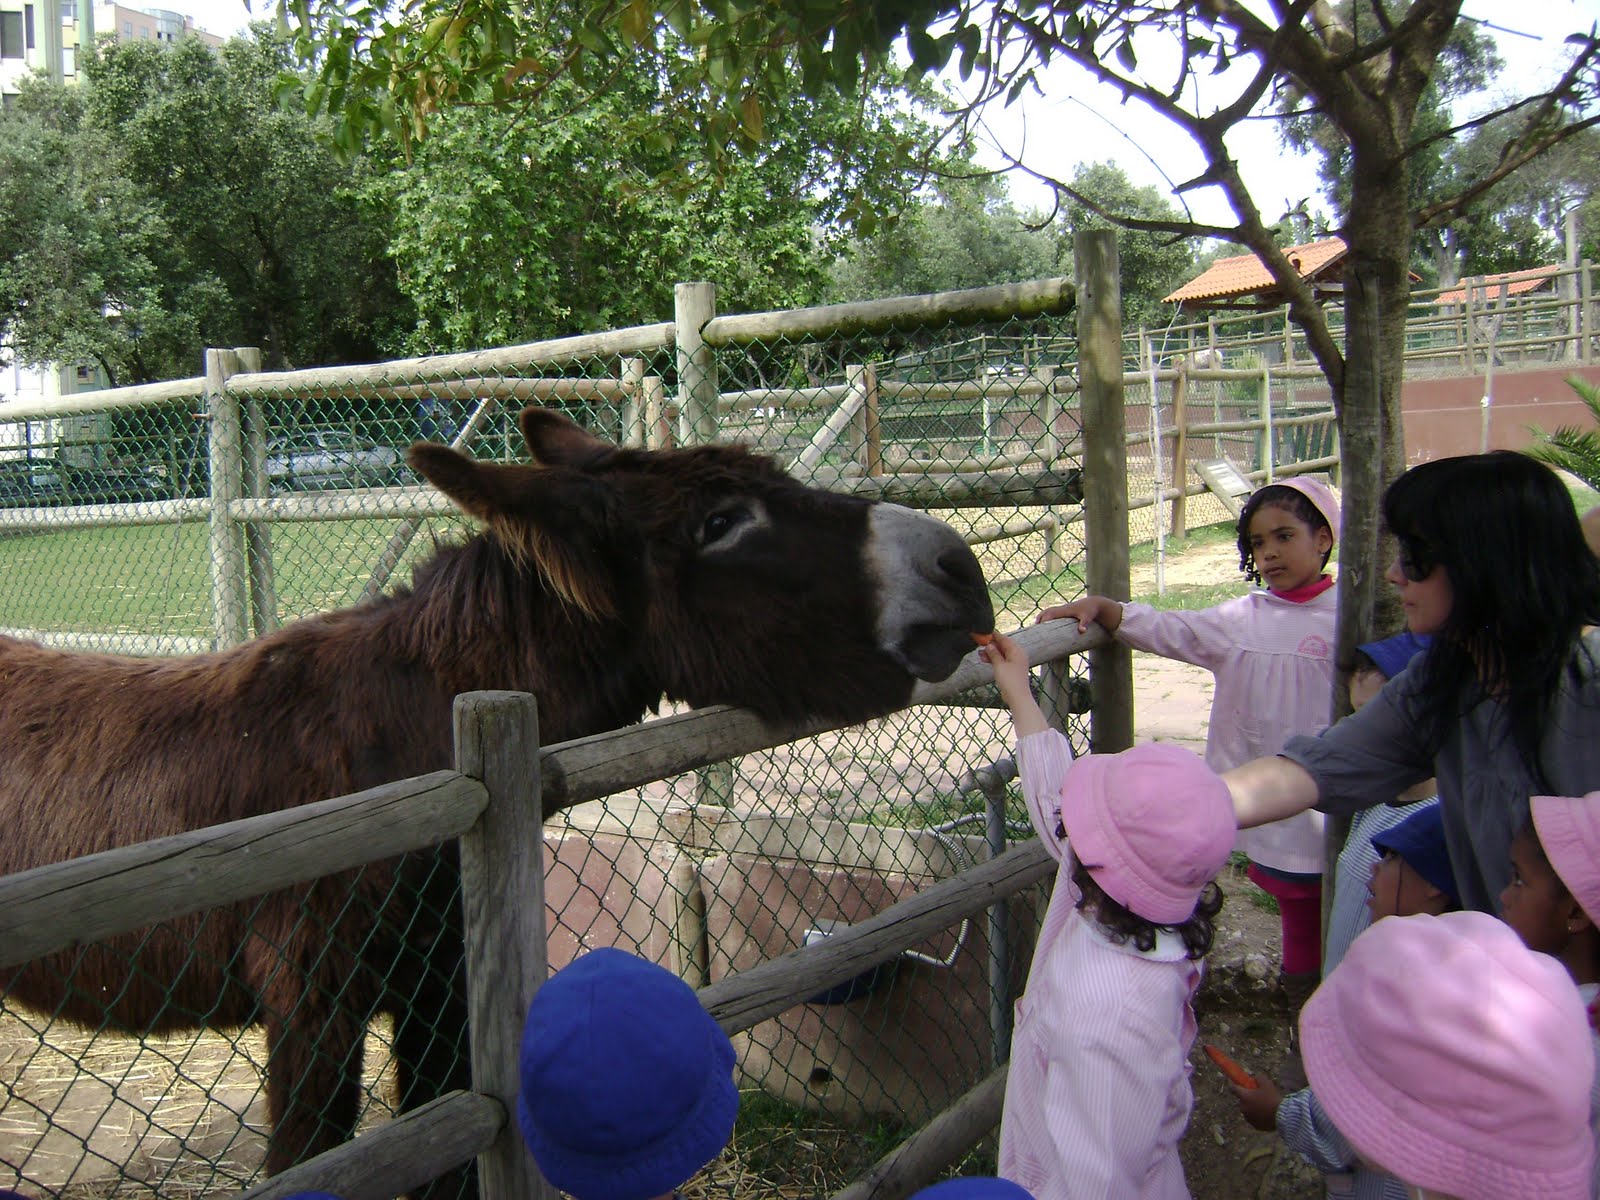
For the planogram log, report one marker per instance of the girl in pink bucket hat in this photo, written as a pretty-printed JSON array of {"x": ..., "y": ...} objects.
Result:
[
  {"x": 1450, "y": 1055},
  {"x": 1271, "y": 652},
  {"x": 1098, "y": 1095},
  {"x": 1553, "y": 899}
]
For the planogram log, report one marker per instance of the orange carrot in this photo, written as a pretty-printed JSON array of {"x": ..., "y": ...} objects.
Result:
[
  {"x": 1235, "y": 1073},
  {"x": 983, "y": 639}
]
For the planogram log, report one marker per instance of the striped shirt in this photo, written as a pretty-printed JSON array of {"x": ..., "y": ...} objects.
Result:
[
  {"x": 1302, "y": 1124},
  {"x": 1098, "y": 1096}
]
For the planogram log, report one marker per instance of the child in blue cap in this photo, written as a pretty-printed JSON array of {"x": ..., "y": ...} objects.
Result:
[
  {"x": 1412, "y": 878},
  {"x": 626, "y": 1081}
]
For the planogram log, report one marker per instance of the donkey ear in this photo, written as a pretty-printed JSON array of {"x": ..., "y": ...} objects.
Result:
[
  {"x": 555, "y": 439},
  {"x": 559, "y": 521},
  {"x": 477, "y": 489}
]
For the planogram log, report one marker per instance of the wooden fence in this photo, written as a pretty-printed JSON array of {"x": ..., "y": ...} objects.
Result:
[{"x": 493, "y": 803}]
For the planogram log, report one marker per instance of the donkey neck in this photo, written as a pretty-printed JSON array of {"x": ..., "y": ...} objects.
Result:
[{"x": 475, "y": 618}]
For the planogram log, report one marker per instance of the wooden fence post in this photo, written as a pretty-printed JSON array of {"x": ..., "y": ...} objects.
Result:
[
  {"x": 1586, "y": 313},
  {"x": 694, "y": 304},
  {"x": 633, "y": 408},
  {"x": 502, "y": 896},
  {"x": 1105, "y": 469},
  {"x": 257, "y": 534},
  {"x": 229, "y": 575}
]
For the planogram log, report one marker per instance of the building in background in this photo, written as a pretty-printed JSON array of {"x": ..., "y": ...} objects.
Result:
[{"x": 27, "y": 47}]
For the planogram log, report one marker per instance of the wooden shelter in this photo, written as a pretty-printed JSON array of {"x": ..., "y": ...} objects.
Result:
[{"x": 1243, "y": 281}]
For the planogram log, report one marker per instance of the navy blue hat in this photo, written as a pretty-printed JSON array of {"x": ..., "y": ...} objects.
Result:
[
  {"x": 1419, "y": 840},
  {"x": 974, "y": 1187},
  {"x": 1392, "y": 654},
  {"x": 626, "y": 1081}
]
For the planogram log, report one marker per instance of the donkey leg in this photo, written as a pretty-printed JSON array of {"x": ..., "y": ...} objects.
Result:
[
  {"x": 314, "y": 1000},
  {"x": 431, "y": 1051}
]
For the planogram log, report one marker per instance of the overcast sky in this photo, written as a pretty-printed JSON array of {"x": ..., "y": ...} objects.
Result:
[{"x": 1078, "y": 121}]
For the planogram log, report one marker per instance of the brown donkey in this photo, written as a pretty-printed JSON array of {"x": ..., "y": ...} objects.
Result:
[{"x": 604, "y": 580}]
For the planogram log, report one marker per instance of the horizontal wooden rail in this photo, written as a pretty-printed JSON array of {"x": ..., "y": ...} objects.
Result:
[
  {"x": 139, "y": 645},
  {"x": 591, "y": 767},
  {"x": 398, "y": 1156},
  {"x": 772, "y": 987},
  {"x": 141, "y": 395},
  {"x": 86, "y": 899},
  {"x": 1006, "y": 301},
  {"x": 936, "y": 1147},
  {"x": 974, "y": 489},
  {"x": 360, "y": 379}
]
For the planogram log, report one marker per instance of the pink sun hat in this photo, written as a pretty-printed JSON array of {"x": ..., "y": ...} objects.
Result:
[
  {"x": 1152, "y": 825},
  {"x": 1569, "y": 830},
  {"x": 1323, "y": 498},
  {"x": 1450, "y": 1055}
]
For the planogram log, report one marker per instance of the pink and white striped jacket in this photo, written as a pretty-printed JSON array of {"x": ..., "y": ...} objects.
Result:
[
  {"x": 1273, "y": 660},
  {"x": 1098, "y": 1095}
]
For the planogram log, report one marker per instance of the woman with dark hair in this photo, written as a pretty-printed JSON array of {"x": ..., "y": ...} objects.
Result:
[{"x": 1506, "y": 702}]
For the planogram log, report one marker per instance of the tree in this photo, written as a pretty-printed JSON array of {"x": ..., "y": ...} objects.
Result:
[
  {"x": 511, "y": 225},
  {"x": 1366, "y": 77},
  {"x": 168, "y": 203},
  {"x": 1569, "y": 447},
  {"x": 966, "y": 235},
  {"x": 1153, "y": 264}
]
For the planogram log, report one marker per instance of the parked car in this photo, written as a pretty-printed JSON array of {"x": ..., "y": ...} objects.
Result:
[
  {"x": 44, "y": 481},
  {"x": 329, "y": 458}
]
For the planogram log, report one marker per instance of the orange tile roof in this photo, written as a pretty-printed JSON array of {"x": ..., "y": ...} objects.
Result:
[
  {"x": 1230, "y": 278},
  {"x": 1497, "y": 287}
]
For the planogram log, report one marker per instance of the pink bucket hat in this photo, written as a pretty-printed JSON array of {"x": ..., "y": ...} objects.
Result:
[
  {"x": 1152, "y": 825},
  {"x": 1452, "y": 1056},
  {"x": 1569, "y": 830},
  {"x": 1323, "y": 498}
]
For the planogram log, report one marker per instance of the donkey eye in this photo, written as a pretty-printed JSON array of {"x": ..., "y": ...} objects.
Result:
[{"x": 717, "y": 526}]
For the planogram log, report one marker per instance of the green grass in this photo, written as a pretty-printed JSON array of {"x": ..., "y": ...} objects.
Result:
[{"x": 156, "y": 578}]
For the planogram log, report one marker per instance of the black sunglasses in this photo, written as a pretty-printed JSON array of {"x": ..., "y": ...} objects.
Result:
[{"x": 1416, "y": 564}]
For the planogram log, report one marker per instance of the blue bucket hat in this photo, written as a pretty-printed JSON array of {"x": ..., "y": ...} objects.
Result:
[
  {"x": 974, "y": 1187},
  {"x": 1419, "y": 840},
  {"x": 626, "y": 1081},
  {"x": 1391, "y": 655}
]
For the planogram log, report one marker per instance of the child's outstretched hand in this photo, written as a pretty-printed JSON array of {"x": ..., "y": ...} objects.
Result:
[
  {"x": 1259, "y": 1105},
  {"x": 1010, "y": 663},
  {"x": 1097, "y": 610}
]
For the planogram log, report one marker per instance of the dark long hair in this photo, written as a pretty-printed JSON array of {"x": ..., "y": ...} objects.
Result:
[
  {"x": 1523, "y": 579},
  {"x": 1296, "y": 501},
  {"x": 1122, "y": 926}
]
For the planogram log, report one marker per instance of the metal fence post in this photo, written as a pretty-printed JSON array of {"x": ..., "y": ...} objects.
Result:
[
  {"x": 502, "y": 897},
  {"x": 1105, "y": 471},
  {"x": 229, "y": 574}
]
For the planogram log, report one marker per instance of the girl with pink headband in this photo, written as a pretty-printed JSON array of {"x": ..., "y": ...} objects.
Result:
[
  {"x": 1098, "y": 1095},
  {"x": 1272, "y": 655}
]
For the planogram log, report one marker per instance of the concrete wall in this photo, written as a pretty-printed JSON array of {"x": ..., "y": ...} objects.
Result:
[{"x": 1443, "y": 417}]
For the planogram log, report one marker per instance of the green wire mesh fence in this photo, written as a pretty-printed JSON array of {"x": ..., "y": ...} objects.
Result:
[{"x": 193, "y": 516}]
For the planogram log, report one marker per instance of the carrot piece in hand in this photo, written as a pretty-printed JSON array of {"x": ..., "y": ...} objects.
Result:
[
  {"x": 1234, "y": 1072},
  {"x": 983, "y": 639}
]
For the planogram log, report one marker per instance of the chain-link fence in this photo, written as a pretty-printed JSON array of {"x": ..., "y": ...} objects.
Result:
[{"x": 193, "y": 516}]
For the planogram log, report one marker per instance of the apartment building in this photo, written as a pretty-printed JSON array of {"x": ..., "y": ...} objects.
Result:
[
  {"x": 38, "y": 35},
  {"x": 26, "y": 46}
]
